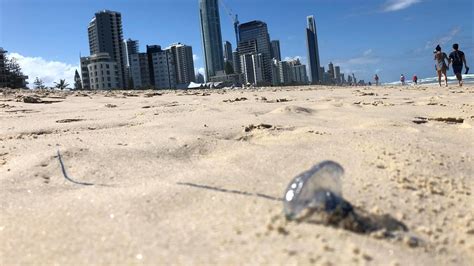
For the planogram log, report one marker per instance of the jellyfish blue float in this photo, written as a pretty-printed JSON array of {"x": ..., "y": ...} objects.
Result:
[{"x": 318, "y": 189}]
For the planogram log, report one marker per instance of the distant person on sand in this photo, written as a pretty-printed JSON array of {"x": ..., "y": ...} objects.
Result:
[
  {"x": 376, "y": 78},
  {"x": 415, "y": 80},
  {"x": 402, "y": 79},
  {"x": 441, "y": 66},
  {"x": 457, "y": 58}
]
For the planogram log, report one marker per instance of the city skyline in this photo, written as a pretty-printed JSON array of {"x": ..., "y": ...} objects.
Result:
[{"x": 361, "y": 55}]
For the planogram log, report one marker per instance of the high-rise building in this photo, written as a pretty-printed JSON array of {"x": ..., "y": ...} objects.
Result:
[
  {"x": 327, "y": 78},
  {"x": 211, "y": 36},
  {"x": 289, "y": 73},
  {"x": 140, "y": 71},
  {"x": 337, "y": 74},
  {"x": 276, "y": 72},
  {"x": 100, "y": 72},
  {"x": 106, "y": 36},
  {"x": 153, "y": 69},
  {"x": 236, "y": 62},
  {"x": 298, "y": 72},
  {"x": 86, "y": 83},
  {"x": 285, "y": 73},
  {"x": 276, "y": 53},
  {"x": 228, "y": 57},
  {"x": 252, "y": 68},
  {"x": 254, "y": 38},
  {"x": 183, "y": 62},
  {"x": 313, "y": 51},
  {"x": 321, "y": 74},
  {"x": 130, "y": 47},
  {"x": 162, "y": 69},
  {"x": 331, "y": 72},
  {"x": 200, "y": 78}
]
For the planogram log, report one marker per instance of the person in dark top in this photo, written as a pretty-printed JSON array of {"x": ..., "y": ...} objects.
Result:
[
  {"x": 457, "y": 58},
  {"x": 415, "y": 79}
]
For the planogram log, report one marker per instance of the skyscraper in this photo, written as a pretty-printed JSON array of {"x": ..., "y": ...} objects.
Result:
[
  {"x": 276, "y": 53},
  {"x": 228, "y": 57},
  {"x": 331, "y": 72},
  {"x": 337, "y": 74},
  {"x": 100, "y": 72},
  {"x": 211, "y": 36},
  {"x": 313, "y": 51},
  {"x": 183, "y": 63},
  {"x": 140, "y": 71},
  {"x": 254, "y": 36},
  {"x": 200, "y": 78},
  {"x": 130, "y": 47},
  {"x": 106, "y": 36},
  {"x": 162, "y": 69},
  {"x": 252, "y": 68},
  {"x": 236, "y": 62}
]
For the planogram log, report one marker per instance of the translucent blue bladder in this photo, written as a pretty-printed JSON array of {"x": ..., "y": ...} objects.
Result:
[{"x": 318, "y": 189}]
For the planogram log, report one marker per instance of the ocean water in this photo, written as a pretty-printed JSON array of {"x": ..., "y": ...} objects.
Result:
[{"x": 468, "y": 79}]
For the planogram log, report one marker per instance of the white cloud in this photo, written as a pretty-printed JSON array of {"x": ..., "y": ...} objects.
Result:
[
  {"x": 195, "y": 57},
  {"x": 48, "y": 71},
  {"x": 360, "y": 64},
  {"x": 367, "y": 58},
  {"x": 368, "y": 52},
  {"x": 443, "y": 40},
  {"x": 199, "y": 70},
  {"x": 292, "y": 58},
  {"x": 397, "y": 5}
]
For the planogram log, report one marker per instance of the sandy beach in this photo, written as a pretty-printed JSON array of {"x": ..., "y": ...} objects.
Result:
[{"x": 197, "y": 177}]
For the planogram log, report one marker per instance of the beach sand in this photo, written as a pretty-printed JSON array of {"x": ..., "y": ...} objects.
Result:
[{"x": 184, "y": 178}]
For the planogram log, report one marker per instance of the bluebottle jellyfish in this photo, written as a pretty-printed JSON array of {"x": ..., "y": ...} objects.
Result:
[{"x": 318, "y": 189}]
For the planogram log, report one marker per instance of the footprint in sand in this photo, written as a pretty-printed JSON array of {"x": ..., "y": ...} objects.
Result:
[
  {"x": 292, "y": 109},
  {"x": 64, "y": 121},
  {"x": 262, "y": 130},
  {"x": 3, "y": 158}
]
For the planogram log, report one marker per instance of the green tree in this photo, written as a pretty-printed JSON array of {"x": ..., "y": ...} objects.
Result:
[
  {"x": 77, "y": 81},
  {"x": 61, "y": 85},
  {"x": 16, "y": 77},
  {"x": 229, "y": 69},
  {"x": 39, "y": 84}
]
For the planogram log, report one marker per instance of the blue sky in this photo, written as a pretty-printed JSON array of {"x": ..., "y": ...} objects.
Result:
[{"x": 388, "y": 37}]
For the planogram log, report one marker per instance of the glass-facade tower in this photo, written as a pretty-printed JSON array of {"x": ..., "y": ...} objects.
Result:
[{"x": 211, "y": 37}]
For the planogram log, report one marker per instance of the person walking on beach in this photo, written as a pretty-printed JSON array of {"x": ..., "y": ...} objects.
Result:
[
  {"x": 457, "y": 58},
  {"x": 415, "y": 79},
  {"x": 402, "y": 79},
  {"x": 376, "y": 78},
  {"x": 441, "y": 66}
]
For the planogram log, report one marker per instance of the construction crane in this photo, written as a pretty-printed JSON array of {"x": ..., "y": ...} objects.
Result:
[{"x": 234, "y": 19}]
